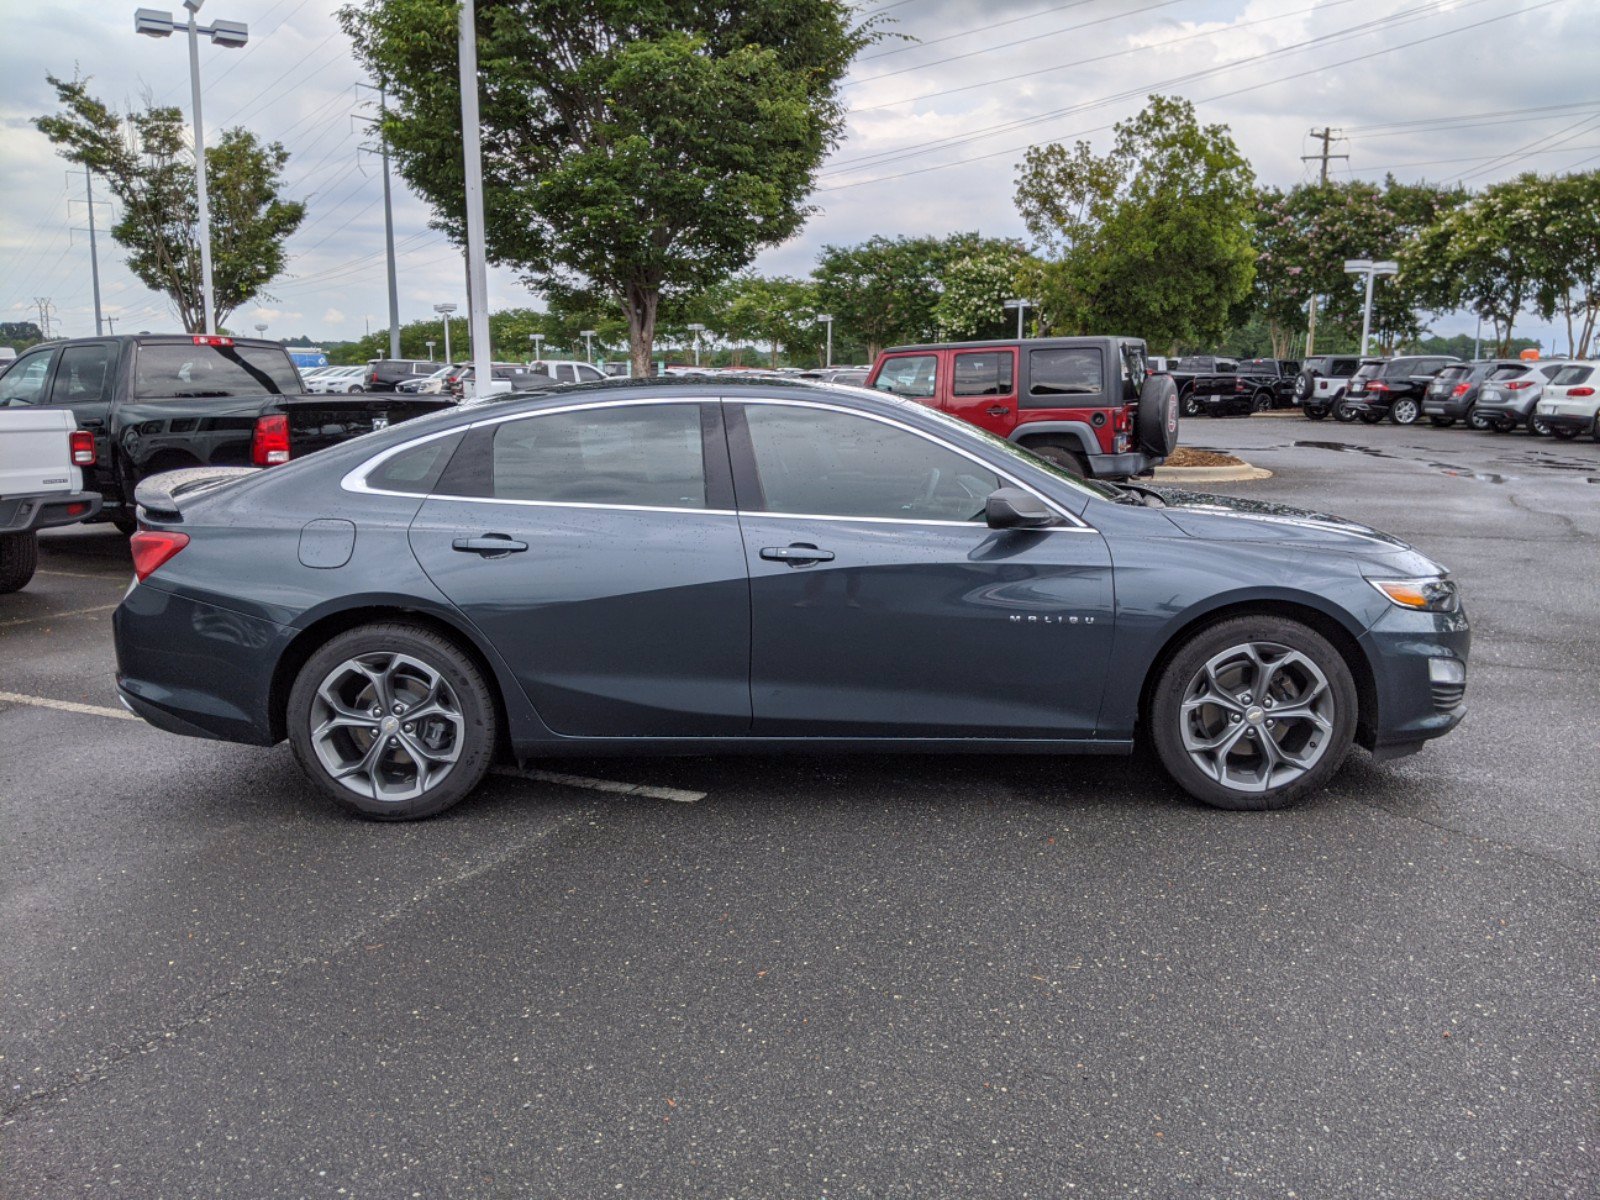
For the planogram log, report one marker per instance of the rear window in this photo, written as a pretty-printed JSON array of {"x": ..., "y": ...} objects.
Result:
[
  {"x": 1569, "y": 376},
  {"x": 1065, "y": 371},
  {"x": 1202, "y": 363},
  {"x": 175, "y": 369},
  {"x": 1500, "y": 374},
  {"x": 1343, "y": 367},
  {"x": 1368, "y": 371},
  {"x": 1400, "y": 368},
  {"x": 1451, "y": 374}
]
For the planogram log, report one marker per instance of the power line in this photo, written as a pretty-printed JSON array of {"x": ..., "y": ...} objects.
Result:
[
  {"x": 1502, "y": 112},
  {"x": 922, "y": 45},
  {"x": 1512, "y": 155}
]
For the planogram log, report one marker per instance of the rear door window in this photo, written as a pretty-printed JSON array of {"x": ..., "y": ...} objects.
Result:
[
  {"x": 1076, "y": 371},
  {"x": 982, "y": 374},
  {"x": 648, "y": 455},
  {"x": 911, "y": 375}
]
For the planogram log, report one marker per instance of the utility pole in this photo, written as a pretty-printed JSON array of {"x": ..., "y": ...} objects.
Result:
[
  {"x": 388, "y": 221},
  {"x": 42, "y": 303},
  {"x": 94, "y": 254},
  {"x": 1325, "y": 135}
]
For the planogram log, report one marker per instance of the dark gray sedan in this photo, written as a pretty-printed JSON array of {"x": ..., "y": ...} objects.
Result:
[{"x": 709, "y": 565}]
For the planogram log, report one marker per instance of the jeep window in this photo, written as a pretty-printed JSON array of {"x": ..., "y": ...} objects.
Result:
[
  {"x": 175, "y": 369},
  {"x": 1065, "y": 371},
  {"x": 986, "y": 374},
  {"x": 647, "y": 454},
  {"x": 911, "y": 375},
  {"x": 820, "y": 463},
  {"x": 1343, "y": 367},
  {"x": 1569, "y": 376}
]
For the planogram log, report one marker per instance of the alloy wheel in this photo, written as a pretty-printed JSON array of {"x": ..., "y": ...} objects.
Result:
[
  {"x": 1257, "y": 716},
  {"x": 386, "y": 726},
  {"x": 1405, "y": 412}
]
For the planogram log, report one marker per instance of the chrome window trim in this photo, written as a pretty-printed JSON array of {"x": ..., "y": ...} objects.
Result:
[{"x": 354, "y": 480}]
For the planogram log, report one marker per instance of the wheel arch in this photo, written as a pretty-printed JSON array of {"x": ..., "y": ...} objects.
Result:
[
  {"x": 1047, "y": 432},
  {"x": 1314, "y": 616}
]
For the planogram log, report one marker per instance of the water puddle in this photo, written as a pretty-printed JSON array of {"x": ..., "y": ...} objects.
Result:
[{"x": 1537, "y": 459}]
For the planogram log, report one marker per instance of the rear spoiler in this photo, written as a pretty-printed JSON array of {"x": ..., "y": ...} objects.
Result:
[{"x": 163, "y": 496}]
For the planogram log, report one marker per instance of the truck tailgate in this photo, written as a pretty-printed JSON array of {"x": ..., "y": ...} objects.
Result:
[
  {"x": 36, "y": 452},
  {"x": 317, "y": 422}
]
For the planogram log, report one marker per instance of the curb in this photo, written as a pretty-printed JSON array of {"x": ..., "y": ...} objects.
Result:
[{"x": 1211, "y": 474}]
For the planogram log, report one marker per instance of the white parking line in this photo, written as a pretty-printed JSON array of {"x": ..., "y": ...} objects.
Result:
[
  {"x": 92, "y": 710},
  {"x": 71, "y": 612},
  {"x": 676, "y": 795}
]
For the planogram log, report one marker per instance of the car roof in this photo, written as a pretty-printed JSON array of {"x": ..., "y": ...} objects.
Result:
[{"x": 1001, "y": 343}]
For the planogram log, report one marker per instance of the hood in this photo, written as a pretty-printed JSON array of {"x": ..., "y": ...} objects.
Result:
[{"x": 1230, "y": 518}]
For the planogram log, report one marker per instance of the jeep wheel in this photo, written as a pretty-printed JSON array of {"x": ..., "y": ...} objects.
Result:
[
  {"x": 1253, "y": 713},
  {"x": 1405, "y": 412},
  {"x": 392, "y": 721},
  {"x": 19, "y": 558},
  {"x": 1061, "y": 456},
  {"x": 1302, "y": 385}
]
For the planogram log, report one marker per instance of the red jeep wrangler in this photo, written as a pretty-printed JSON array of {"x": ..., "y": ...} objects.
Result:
[{"x": 1084, "y": 403}]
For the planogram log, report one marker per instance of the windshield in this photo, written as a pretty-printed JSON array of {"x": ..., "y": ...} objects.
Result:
[{"x": 175, "y": 369}]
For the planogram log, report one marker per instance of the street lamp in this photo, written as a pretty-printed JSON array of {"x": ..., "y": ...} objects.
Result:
[
  {"x": 1021, "y": 306},
  {"x": 538, "y": 346},
  {"x": 588, "y": 341},
  {"x": 697, "y": 329},
  {"x": 430, "y": 343},
  {"x": 444, "y": 310},
  {"x": 827, "y": 319},
  {"x": 1365, "y": 266},
  {"x": 154, "y": 23}
]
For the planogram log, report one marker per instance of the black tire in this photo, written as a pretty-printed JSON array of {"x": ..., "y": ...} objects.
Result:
[
  {"x": 1061, "y": 456},
  {"x": 1260, "y": 402},
  {"x": 1316, "y": 414},
  {"x": 1442, "y": 422},
  {"x": 1478, "y": 421},
  {"x": 1343, "y": 413},
  {"x": 1189, "y": 405},
  {"x": 1303, "y": 385},
  {"x": 475, "y": 703},
  {"x": 128, "y": 526},
  {"x": 19, "y": 559},
  {"x": 1566, "y": 435},
  {"x": 1405, "y": 412},
  {"x": 1505, "y": 425},
  {"x": 1370, "y": 418},
  {"x": 1155, "y": 425},
  {"x": 1538, "y": 427},
  {"x": 1165, "y": 717}
]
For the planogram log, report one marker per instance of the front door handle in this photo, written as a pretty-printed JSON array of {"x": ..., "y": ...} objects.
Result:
[
  {"x": 998, "y": 410},
  {"x": 798, "y": 555},
  {"x": 490, "y": 545}
]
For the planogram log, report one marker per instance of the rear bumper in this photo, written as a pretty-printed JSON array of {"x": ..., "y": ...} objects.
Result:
[
  {"x": 24, "y": 514},
  {"x": 1119, "y": 466},
  {"x": 1445, "y": 406},
  {"x": 1566, "y": 422},
  {"x": 1367, "y": 404}
]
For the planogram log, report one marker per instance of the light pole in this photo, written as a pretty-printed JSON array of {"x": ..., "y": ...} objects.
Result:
[
  {"x": 827, "y": 319},
  {"x": 1365, "y": 266},
  {"x": 472, "y": 163},
  {"x": 1021, "y": 306},
  {"x": 153, "y": 23},
  {"x": 538, "y": 346},
  {"x": 697, "y": 329},
  {"x": 444, "y": 310},
  {"x": 588, "y": 345},
  {"x": 430, "y": 344}
]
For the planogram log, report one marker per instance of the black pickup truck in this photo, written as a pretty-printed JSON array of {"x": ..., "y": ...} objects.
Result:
[
  {"x": 157, "y": 402},
  {"x": 1254, "y": 385},
  {"x": 1189, "y": 370}
]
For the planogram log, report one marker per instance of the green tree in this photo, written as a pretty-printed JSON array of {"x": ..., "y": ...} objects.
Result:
[
  {"x": 975, "y": 287},
  {"x": 644, "y": 151},
  {"x": 1153, "y": 239},
  {"x": 778, "y": 311},
  {"x": 145, "y": 160},
  {"x": 1566, "y": 243},
  {"x": 886, "y": 290}
]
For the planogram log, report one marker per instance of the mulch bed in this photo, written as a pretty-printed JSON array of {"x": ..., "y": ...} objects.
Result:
[{"x": 1185, "y": 457}]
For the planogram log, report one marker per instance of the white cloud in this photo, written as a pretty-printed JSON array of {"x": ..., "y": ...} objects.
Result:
[{"x": 333, "y": 317}]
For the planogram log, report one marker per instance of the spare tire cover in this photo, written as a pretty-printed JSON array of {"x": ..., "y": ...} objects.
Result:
[{"x": 1158, "y": 416}]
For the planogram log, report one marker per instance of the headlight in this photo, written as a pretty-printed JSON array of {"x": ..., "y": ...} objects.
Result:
[{"x": 1425, "y": 595}]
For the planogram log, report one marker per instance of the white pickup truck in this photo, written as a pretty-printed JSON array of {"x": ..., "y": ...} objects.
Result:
[{"x": 42, "y": 453}]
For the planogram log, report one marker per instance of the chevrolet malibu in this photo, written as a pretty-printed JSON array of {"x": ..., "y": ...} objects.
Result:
[{"x": 699, "y": 566}]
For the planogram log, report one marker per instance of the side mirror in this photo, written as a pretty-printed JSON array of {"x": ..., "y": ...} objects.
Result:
[{"x": 1013, "y": 508}]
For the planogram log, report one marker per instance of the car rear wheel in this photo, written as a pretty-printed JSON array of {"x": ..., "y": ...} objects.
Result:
[
  {"x": 1062, "y": 456},
  {"x": 1477, "y": 420},
  {"x": 19, "y": 559},
  {"x": 1191, "y": 406},
  {"x": 1442, "y": 422},
  {"x": 1538, "y": 427},
  {"x": 1316, "y": 414},
  {"x": 1253, "y": 713},
  {"x": 1405, "y": 412},
  {"x": 392, "y": 721},
  {"x": 1370, "y": 418},
  {"x": 1343, "y": 413},
  {"x": 1261, "y": 402},
  {"x": 1566, "y": 435}
]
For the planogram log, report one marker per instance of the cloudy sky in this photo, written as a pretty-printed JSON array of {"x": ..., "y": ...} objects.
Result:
[{"x": 1472, "y": 90}]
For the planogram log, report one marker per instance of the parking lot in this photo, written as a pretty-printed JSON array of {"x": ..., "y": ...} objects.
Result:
[{"x": 865, "y": 976}]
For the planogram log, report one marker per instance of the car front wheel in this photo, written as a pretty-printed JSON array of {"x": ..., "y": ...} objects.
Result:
[
  {"x": 1253, "y": 713},
  {"x": 392, "y": 722}
]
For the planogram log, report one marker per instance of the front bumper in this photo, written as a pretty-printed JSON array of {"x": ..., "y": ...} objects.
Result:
[
  {"x": 1412, "y": 706},
  {"x": 24, "y": 514}
]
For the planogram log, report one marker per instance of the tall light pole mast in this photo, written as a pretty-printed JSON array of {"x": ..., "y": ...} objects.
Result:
[
  {"x": 696, "y": 329},
  {"x": 588, "y": 345},
  {"x": 388, "y": 221},
  {"x": 1021, "y": 306},
  {"x": 827, "y": 319},
  {"x": 472, "y": 159},
  {"x": 1365, "y": 266},
  {"x": 154, "y": 23},
  {"x": 444, "y": 310}
]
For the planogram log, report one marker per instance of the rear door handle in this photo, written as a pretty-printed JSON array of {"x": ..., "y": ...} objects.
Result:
[
  {"x": 998, "y": 410},
  {"x": 797, "y": 555},
  {"x": 490, "y": 545}
]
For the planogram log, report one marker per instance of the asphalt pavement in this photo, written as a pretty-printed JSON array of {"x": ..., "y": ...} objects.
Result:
[{"x": 832, "y": 976}]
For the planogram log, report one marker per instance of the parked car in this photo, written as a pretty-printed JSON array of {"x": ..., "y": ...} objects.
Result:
[
  {"x": 1184, "y": 371},
  {"x": 42, "y": 456},
  {"x": 1454, "y": 390},
  {"x": 156, "y": 402},
  {"x": 345, "y": 380},
  {"x": 1085, "y": 404},
  {"x": 634, "y": 567},
  {"x": 1570, "y": 404},
  {"x": 1392, "y": 389},
  {"x": 385, "y": 374},
  {"x": 1254, "y": 385},
  {"x": 515, "y": 375},
  {"x": 568, "y": 370},
  {"x": 1321, "y": 382},
  {"x": 432, "y": 384},
  {"x": 1510, "y": 393}
]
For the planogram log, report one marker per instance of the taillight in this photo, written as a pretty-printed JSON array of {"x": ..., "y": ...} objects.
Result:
[
  {"x": 82, "y": 443},
  {"x": 1377, "y": 385},
  {"x": 1580, "y": 391},
  {"x": 1122, "y": 422},
  {"x": 211, "y": 339},
  {"x": 1240, "y": 385},
  {"x": 1461, "y": 389},
  {"x": 269, "y": 446},
  {"x": 151, "y": 549},
  {"x": 1516, "y": 385}
]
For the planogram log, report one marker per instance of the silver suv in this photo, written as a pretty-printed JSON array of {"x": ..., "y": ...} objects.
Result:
[{"x": 1510, "y": 393}]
